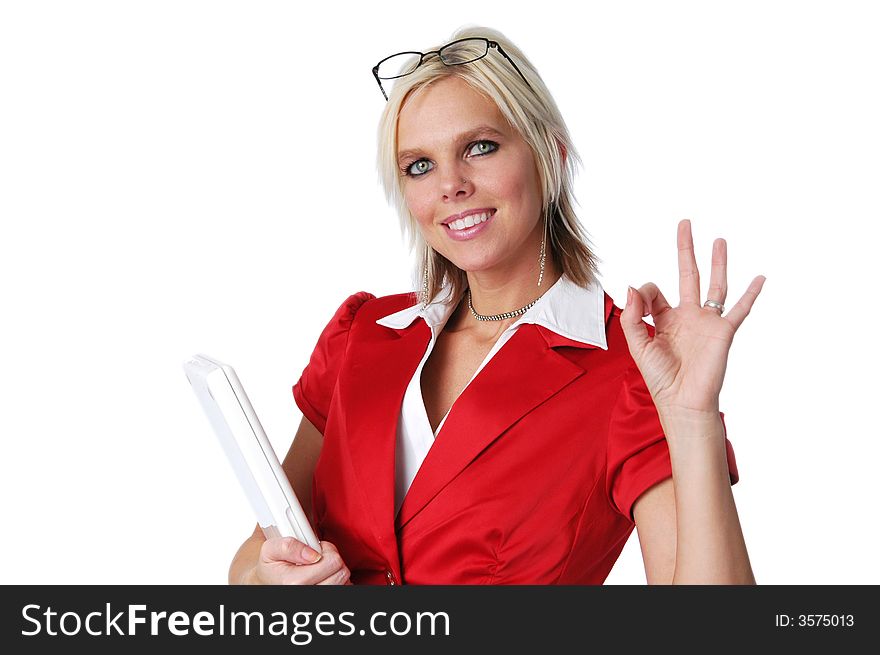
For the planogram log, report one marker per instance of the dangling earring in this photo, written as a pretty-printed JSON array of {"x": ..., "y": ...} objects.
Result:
[
  {"x": 543, "y": 244},
  {"x": 425, "y": 284}
]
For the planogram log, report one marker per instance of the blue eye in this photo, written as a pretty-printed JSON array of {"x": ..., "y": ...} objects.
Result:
[
  {"x": 480, "y": 146},
  {"x": 420, "y": 165}
]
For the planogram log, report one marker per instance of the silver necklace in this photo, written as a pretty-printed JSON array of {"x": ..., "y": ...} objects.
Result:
[{"x": 500, "y": 317}]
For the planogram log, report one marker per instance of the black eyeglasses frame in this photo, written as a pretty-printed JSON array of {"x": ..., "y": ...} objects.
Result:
[{"x": 423, "y": 55}]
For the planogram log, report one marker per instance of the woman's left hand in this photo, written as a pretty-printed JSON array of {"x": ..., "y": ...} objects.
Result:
[{"x": 683, "y": 365}]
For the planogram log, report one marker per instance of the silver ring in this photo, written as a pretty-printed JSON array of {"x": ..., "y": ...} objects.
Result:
[{"x": 714, "y": 305}]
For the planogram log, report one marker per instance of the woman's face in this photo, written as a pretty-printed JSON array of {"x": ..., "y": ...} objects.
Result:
[{"x": 457, "y": 154}]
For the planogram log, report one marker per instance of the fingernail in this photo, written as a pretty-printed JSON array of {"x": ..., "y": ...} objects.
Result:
[
  {"x": 629, "y": 295},
  {"x": 311, "y": 554}
]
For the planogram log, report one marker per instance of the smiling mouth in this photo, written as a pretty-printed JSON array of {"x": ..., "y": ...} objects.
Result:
[{"x": 470, "y": 221}]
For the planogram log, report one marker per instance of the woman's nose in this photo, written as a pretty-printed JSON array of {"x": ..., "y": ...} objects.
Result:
[{"x": 454, "y": 184}]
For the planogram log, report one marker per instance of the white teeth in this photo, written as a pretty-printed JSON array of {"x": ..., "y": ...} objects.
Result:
[{"x": 469, "y": 221}]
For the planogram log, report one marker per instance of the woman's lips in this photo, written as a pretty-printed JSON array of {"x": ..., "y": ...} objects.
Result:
[{"x": 471, "y": 232}]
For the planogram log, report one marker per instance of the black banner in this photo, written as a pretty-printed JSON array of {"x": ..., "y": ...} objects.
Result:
[{"x": 435, "y": 619}]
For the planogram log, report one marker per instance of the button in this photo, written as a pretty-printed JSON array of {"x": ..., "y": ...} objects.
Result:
[{"x": 390, "y": 576}]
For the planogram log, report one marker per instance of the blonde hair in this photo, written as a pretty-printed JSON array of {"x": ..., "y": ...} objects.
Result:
[{"x": 533, "y": 113}]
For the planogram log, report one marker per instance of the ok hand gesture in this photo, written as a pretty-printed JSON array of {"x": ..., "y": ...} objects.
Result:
[{"x": 683, "y": 365}]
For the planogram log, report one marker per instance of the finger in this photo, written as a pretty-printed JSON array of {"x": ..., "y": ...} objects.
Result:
[
  {"x": 653, "y": 300},
  {"x": 288, "y": 549},
  {"x": 740, "y": 310},
  {"x": 634, "y": 328},
  {"x": 718, "y": 280},
  {"x": 688, "y": 274},
  {"x": 341, "y": 577}
]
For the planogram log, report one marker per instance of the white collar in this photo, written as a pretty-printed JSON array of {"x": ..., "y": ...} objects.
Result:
[{"x": 565, "y": 308}]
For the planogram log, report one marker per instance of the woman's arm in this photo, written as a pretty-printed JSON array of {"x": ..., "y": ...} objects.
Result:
[
  {"x": 654, "y": 514},
  {"x": 682, "y": 361},
  {"x": 299, "y": 464},
  {"x": 241, "y": 570},
  {"x": 689, "y": 529}
]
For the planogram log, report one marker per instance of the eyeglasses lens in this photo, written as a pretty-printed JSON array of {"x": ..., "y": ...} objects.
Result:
[
  {"x": 464, "y": 52},
  {"x": 398, "y": 65}
]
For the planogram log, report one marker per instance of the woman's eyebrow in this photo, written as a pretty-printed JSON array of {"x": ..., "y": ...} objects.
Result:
[{"x": 480, "y": 131}]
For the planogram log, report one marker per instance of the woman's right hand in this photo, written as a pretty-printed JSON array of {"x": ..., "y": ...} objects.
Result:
[{"x": 286, "y": 561}]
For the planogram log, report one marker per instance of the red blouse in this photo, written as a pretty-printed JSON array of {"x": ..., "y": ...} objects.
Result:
[{"x": 532, "y": 479}]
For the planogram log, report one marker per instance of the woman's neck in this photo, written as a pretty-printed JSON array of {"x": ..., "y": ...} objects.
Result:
[{"x": 490, "y": 297}]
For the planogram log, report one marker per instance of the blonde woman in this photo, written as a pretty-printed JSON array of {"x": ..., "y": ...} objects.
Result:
[{"x": 508, "y": 423}]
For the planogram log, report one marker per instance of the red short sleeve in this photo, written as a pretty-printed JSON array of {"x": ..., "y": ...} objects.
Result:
[
  {"x": 637, "y": 454},
  {"x": 315, "y": 387}
]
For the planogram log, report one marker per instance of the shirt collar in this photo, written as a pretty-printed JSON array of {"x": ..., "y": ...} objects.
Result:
[{"x": 567, "y": 309}]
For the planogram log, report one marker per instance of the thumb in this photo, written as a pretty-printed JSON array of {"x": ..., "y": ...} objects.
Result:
[
  {"x": 634, "y": 329},
  {"x": 288, "y": 549}
]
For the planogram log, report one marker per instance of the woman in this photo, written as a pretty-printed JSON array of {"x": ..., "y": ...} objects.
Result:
[{"x": 511, "y": 425}]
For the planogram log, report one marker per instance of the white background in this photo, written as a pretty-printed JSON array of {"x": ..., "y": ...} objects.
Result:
[{"x": 182, "y": 177}]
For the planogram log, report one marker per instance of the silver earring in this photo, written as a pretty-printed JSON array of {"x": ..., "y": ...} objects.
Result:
[
  {"x": 543, "y": 244},
  {"x": 425, "y": 283}
]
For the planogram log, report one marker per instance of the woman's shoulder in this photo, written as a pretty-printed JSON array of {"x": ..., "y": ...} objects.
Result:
[
  {"x": 365, "y": 306},
  {"x": 392, "y": 301}
]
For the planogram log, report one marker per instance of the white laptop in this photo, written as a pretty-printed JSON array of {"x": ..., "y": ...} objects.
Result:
[{"x": 238, "y": 429}]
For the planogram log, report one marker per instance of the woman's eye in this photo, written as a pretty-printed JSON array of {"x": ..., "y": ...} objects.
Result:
[
  {"x": 483, "y": 147},
  {"x": 418, "y": 167}
]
